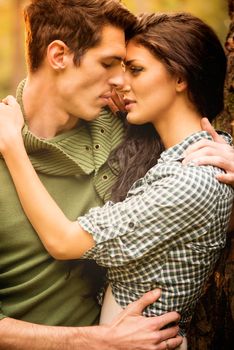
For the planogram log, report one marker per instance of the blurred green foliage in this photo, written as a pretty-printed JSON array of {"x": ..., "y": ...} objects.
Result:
[
  {"x": 214, "y": 12},
  {"x": 6, "y": 48},
  {"x": 12, "y": 68}
]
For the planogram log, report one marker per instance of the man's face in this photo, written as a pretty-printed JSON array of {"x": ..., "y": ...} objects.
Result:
[{"x": 84, "y": 88}]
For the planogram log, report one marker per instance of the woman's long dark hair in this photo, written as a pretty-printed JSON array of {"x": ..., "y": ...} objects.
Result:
[
  {"x": 138, "y": 152},
  {"x": 190, "y": 50}
]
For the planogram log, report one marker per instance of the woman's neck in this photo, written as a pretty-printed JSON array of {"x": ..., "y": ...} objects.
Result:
[{"x": 178, "y": 124}]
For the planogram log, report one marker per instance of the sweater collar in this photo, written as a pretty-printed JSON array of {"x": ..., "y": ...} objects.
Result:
[{"x": 80, "y": 151}]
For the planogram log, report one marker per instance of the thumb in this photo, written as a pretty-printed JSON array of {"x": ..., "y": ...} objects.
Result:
[
  {"x": 206, "y": 126},
  {"x": 148, "y": 298}
]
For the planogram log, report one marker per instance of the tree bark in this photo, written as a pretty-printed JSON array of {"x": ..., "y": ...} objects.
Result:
[{"x": 212, "y": 327}]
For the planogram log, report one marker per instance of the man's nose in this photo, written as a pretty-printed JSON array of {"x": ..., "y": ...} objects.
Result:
[
  {"x": 117, "y": 81},
  {"x": 126, "y": 87}
]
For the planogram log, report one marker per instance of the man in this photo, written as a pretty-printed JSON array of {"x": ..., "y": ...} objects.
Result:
[{"x": 74, "y": 54}]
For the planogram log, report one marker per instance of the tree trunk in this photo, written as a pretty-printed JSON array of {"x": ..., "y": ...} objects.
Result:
[{"x": 212, "y": 327}]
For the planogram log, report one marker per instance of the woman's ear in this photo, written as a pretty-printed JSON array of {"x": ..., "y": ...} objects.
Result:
[
  {"x": 57, "y": 54},
  {"x": 181, "y": 84}
]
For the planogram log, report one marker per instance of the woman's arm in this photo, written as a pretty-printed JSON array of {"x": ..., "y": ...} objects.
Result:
[{"x": 62, "y": 238}]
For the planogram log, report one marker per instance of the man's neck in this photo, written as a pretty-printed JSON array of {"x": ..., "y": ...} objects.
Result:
[{"x": 44, "y": 112}]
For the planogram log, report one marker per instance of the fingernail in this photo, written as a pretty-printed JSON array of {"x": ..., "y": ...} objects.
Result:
[
  {"x": 156, "y": 291},
  {"x": 193, "y": 162}
]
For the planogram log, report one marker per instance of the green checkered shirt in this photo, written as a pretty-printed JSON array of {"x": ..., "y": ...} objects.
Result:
[{"x": 166, "y": 234}]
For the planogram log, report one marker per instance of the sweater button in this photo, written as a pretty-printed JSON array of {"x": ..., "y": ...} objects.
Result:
[
  {"x": 97, "y": 146},
  {"x": 105, "y": 177}
]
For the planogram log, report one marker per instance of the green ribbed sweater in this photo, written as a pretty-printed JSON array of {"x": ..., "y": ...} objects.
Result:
[{"x": 33, "y": 286}]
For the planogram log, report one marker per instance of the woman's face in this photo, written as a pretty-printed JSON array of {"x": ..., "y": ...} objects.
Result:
[{"x": 150, "y": 91}]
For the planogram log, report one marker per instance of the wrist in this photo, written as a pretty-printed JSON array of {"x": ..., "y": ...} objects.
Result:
[
  {"x": 94, "y": 338},
  {"x": 12, "y": 145}
]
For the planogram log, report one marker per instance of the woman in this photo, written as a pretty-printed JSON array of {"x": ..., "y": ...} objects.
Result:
[{"x": 169, "y": 230}]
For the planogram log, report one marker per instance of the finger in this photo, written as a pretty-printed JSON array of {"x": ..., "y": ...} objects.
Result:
[
  {"x": 10, "y": 100},
  {"x": 112, "y": 106},
  {"x": 172, "y": 343},
  {"x": 148, "y": 298},
  {"x": 166, "y": 319},
  {"x": 226, "y": 178},
  {"x": 4, "y": 103},
  {"x": 4, "y": 100},
  {"x": 118, "y": 100},
  {"x": 200, "y": 155},
  {"x": 216, "y": 161},
  {"x": 206, "y": 126},
  {"x": 199, "y": 145},
  {"x": 169, "y": 333},
  {"x": 207, "y": 147}
]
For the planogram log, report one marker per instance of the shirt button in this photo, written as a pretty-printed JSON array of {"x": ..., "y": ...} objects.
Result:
[
  {"x": 105, "y": 177},
  {"x": 112, "y": 254}
]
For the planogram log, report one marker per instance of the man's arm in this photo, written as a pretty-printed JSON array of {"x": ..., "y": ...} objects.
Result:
[
  {"x": 217, "y": 153},
  {"x": 129, "y": 331}
]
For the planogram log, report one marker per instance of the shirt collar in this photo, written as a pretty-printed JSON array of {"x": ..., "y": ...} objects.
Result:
[{"x": 176, "y": 152}]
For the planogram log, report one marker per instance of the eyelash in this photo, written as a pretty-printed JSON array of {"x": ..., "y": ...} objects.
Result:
[
  {"x": 135, "y": 70},
  {"x": 107, "y": 65}
]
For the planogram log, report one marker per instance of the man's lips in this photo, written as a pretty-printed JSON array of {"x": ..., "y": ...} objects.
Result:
[
  {"x": 106, "y": 95},
  {"x": 104, "y": 98}
]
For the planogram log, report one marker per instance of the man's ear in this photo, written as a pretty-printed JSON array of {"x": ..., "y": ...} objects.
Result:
[
  {"x": 58, "y": 54},
  {"x": 181, "y": 84}
]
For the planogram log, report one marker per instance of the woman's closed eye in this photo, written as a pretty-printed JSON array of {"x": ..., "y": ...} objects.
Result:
[{"x": 135, "y": 70}]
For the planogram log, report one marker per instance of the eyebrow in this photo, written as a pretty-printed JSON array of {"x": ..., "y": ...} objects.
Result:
[
  {"x": 128, "y": 63},
  {"x": 117, "y": 58}
]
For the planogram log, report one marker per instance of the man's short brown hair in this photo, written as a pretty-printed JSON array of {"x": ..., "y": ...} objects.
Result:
[{"x": 78, "y": 23}]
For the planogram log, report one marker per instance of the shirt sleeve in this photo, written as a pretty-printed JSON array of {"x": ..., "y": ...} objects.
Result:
[{"x": 179, "y": 205}]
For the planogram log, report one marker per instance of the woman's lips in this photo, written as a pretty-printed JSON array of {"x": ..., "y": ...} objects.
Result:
[{"x": 129, "y": 104}]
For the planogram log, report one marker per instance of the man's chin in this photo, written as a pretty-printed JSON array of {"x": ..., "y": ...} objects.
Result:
[{"x": 93, "y": 116}]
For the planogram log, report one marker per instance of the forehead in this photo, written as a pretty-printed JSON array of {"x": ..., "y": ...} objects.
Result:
[
  {"x": 137, "y": 52},
  {"x": 112, "y": 44}
]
